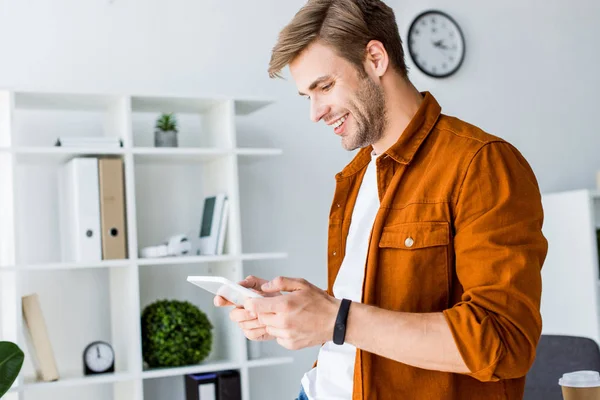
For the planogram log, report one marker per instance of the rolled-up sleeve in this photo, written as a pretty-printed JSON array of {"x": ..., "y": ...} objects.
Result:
[{"x": 499, "y": 252}]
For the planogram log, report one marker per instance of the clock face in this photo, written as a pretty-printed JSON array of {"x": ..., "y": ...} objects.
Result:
[
  {"x": 99, "y": 357},
  {"x": 436, "y": 44}
]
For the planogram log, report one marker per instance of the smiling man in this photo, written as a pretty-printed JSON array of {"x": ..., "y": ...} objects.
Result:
[{"x": 435, "y": 245}]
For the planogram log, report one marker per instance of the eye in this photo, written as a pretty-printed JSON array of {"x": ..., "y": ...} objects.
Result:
[{"x": 327, "y": 87}]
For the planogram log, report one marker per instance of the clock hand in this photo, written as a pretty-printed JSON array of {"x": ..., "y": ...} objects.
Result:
[
  {"x": 98, "y": 351},
  {"x": 440, "y": 44}
]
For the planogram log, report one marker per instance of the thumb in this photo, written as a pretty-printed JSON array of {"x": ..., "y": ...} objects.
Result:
[{"x": 283, "y": 284}]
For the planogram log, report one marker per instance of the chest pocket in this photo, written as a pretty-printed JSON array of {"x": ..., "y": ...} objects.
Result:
[{"x": 413, "y": 267}]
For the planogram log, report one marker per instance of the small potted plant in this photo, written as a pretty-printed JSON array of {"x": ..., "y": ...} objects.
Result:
[{"x": 165, "y": 134}]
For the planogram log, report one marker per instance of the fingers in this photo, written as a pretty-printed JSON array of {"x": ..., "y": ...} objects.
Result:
[
  {"x": 283, "y": 284},
  {"x": 257, "y": 334},
  {"x": 240, "y": 315},
  {"x": 252, "y": 282},
  {"x": 221, "y": 302},
  {"x": 267, "y": 305}
]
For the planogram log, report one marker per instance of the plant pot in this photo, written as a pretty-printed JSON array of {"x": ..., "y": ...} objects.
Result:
[{"x": 165, "y": 138}]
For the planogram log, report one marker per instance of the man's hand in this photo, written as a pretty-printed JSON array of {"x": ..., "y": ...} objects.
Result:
[
  {"x": 248, "y": 321},
  {"x": 303, "y": 318}
]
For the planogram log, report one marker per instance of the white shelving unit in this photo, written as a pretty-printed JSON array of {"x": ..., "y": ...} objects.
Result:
[
  {"x": 570, "y": 275},
  {"x": 164, "y": 190}
]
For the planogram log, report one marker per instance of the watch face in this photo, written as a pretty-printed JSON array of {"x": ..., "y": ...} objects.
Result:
[
  {"x": 436, "y": 44},
  {"x": 99, "y": 357}
]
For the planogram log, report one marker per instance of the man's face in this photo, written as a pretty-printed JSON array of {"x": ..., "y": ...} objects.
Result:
[{"x": 343, "y": 97}]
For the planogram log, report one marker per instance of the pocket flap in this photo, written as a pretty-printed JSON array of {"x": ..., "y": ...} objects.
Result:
[{"x": 415, "y": 235}]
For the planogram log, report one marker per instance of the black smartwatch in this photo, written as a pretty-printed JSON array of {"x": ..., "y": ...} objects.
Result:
[{"x": 339, "y": 330}]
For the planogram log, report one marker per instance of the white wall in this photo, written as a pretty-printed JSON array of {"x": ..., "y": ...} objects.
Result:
[{"x": 530, "y": 76}]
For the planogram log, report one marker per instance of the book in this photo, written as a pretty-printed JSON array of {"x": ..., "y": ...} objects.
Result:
[
  {"x": 223, "y": 227},
  {"x": 212, "y": 215},
  {"x": 38, "y": 340}
]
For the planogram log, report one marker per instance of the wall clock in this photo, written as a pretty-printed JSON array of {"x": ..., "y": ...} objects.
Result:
[{"x": 436, "y": 44}]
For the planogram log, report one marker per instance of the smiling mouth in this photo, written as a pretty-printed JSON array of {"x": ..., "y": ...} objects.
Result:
[{"x": 339, "y": 124}]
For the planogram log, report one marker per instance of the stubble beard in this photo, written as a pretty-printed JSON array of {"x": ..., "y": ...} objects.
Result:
[{"x": 370, "y": 114}]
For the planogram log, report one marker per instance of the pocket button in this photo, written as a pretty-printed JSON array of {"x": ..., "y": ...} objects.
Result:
[{"x": 409, "y": 242}]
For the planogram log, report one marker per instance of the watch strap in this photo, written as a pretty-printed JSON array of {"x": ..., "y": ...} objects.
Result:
[{"x": 339, "y": 330}]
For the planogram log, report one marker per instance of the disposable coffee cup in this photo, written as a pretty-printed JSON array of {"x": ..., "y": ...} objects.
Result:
[{"x": 580, "y": 385}]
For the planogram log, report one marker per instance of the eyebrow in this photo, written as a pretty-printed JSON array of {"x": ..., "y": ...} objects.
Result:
[{"x": 316, "y": 83}]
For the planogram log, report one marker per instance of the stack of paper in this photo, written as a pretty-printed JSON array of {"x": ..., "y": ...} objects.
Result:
[{"x": 95, "y": 141}]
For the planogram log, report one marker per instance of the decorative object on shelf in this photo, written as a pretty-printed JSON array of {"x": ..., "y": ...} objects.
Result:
[
  {"x": 221, "y": 385},
  {"x": 165, "y": 134},
  {"x": 175, "y": 333},
  {"x": 98, "y": 358},
  {"x": 176, "y": 245},
  {"x": 38, "y": 341},
  {"x": 11, "y": 361},
  {"x": 436, "y": 44},
  {"x": 213, "y": 226}
]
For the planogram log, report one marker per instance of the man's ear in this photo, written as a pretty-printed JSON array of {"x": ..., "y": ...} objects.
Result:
[{"x": 377, "y": 59}]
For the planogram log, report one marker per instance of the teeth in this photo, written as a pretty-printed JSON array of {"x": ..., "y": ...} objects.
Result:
[{"x": 339, "y": 122}]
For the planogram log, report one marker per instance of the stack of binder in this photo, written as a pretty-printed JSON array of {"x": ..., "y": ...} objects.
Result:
[
  {"x": 92, "y": 204},
  {"x": 221, "y": 385}
]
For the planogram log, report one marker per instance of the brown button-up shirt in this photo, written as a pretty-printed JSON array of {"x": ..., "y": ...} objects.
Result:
[{"x": 458, "y": 232}]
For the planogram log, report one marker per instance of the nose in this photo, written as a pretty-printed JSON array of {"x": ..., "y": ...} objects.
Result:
[{"x": 317, "y": 110}]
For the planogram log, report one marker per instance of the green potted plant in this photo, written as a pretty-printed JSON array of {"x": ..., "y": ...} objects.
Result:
[
  {"x": 11, "y": 361},
  {"x": 165, "y": 133},
  {"x": 175, "y": 333}
]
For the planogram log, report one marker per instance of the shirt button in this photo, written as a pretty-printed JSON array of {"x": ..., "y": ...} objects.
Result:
[
  {"x": 338, "y": 205},
  {"x": 409, "y": 242},
  {"x": 334, "y": 253}
]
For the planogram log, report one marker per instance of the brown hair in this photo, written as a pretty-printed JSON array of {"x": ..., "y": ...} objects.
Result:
[{"x": 346, "y": 25}]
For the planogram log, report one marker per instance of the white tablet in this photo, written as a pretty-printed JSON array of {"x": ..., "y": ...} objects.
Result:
[{"x": 220, "y": 286}]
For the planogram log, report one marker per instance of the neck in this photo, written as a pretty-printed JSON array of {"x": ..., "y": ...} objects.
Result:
[{"x": 402, "y": 101}]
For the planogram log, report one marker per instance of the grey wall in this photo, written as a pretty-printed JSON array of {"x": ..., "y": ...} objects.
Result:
[{"x": 530, "y": 76}]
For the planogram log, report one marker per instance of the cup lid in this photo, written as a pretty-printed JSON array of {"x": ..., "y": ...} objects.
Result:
[{"x": 580, "y": 379}]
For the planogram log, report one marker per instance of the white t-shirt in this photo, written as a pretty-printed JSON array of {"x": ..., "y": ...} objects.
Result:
[{"x": 333, "y": 378}]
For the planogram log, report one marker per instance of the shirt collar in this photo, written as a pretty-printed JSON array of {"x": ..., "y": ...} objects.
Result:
[{"x": 409, "y": 141}]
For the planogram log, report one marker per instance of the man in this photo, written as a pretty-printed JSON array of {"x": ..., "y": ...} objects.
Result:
[{"x": 435, "y": 243}]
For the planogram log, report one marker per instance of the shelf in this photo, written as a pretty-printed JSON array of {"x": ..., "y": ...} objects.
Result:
[
  {"x": 267, "y": 362},
  {"x": 69, "y": 265},
  {"x": 181, "y": 260},
  {"x": 192, "y": 369},
  {"x": 66, "y": 101},
  {"x": 76, "y": 381},
  {"x": 213, "y": 366},
  {"x": 192, "y": 105},
  {"x": 258, "y": 152},
  {"x": 40, "y": 154},
  {"x": 180, "y": 154}
]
